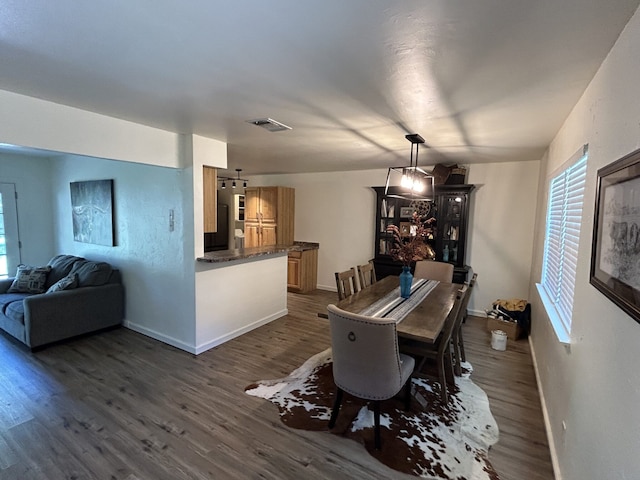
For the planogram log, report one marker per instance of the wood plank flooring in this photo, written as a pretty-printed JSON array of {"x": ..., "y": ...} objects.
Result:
[{"x": 119, "y": 405}]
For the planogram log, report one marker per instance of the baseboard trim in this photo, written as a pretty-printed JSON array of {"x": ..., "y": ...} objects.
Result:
[
  {"x": 545, "y": 414},
  {"x": 174, "y": 342},
  {"x": 203, "y": 347},
  {"x": 328, "y": 288},
  {"x": 196, "y": 350}
]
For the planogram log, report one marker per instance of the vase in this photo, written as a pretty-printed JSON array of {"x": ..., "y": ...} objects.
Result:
[{"x": 405, "y": 282}]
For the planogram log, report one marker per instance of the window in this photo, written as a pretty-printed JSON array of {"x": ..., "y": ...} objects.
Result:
[{"x": 562, "y": 236}]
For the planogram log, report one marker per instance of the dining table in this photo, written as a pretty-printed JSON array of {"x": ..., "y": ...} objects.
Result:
[{"x": 424, "y": 321}]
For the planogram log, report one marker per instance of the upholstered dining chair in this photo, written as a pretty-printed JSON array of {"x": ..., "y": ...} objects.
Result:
[
  {"x": 440, "y": 350},
  {"x": 346, "y": 283},
  {"x": 367, "y": 274},
  {"x": 433, "y": 270},
  {"x": 457, "y": 339},
  {"x": 366, "y": 362}
]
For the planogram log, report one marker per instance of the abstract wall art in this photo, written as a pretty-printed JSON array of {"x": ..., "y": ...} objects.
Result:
[{"x": 92, "y": 212}]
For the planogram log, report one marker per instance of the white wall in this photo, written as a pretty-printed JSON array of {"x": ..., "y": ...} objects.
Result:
[
  {"x": 31, "y": 122},
  {"x": 237, "y": 297},
  {"x": 338, "y": 211},
  {"x": 593, "y": 386},
  {"x": 500, "y": 245},
  {"x": 159, "y": 282},
  {"x": 158, "y": 265},
  {"x": 31, "y": 176},
  {"x": 158, "y": 285}
]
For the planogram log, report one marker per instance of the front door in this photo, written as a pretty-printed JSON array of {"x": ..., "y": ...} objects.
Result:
[{"x": 9, "y": 238}]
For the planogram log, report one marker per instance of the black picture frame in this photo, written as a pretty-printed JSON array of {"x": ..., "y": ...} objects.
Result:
[{"x": 615, "y": 253}]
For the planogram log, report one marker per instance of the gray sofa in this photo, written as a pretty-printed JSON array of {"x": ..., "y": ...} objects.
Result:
[{"x": 79, "y": 296}]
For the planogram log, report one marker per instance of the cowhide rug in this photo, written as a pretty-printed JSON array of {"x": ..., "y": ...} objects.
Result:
[{"x": 430, "y": 441}]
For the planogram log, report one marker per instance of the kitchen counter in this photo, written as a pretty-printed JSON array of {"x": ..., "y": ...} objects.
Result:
[
  {"x": 223, "y": 256},
  {"x": 241, "y": 289},
  {"x": 303, "y": 246}
]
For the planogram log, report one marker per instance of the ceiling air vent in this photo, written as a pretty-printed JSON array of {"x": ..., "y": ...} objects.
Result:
[{"x": 269, "y": 124}]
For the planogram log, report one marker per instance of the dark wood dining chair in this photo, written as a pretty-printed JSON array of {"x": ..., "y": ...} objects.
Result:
[
  {"x": 433, "y": 270},
  {"x": 366, "y": 362},
  {"x": 457, "y": 339},
  {"x": 346, "y": 283},
  {"x": 367, "y": 274},
  {"x": 440, "y": 351}
]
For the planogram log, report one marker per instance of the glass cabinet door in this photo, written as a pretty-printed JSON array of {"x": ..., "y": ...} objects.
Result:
[
  {"x": 387, "y": 215},
  {"x": 451, "y": 228}
]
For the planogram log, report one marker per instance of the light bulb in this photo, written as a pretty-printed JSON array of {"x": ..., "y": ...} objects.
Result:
[{"x": 406, "y": 181}]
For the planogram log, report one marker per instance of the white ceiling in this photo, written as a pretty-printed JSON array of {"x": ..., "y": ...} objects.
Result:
[{"x": 480, "y": 80}]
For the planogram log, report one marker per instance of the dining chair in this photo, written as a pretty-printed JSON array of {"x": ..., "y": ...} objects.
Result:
[
  {"x": 457, "y": 340},
  {"x": 346, "y": 283},
  {"x": 440, "y": 351},
  {"x": 433, "y": 270},
  {"x": 367, "y": 274},
  {"x": 367, "y": 363}
]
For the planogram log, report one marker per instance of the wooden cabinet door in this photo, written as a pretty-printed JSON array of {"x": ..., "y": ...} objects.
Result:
[
  {"x": 268, "y": 234},
  {"x": 251, "y": 204},
  {"x": 293, "y": 274},
  {"x": 269, "y": 204},
  {"x": 251, "y": 235}
]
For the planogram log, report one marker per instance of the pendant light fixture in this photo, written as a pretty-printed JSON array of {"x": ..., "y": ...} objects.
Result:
[
  {"x": 415, "y": 183},
  {"x": 234, "y": 180}
]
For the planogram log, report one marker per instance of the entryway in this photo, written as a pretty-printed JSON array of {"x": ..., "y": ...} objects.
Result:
[{"x": 9, "y": 236}]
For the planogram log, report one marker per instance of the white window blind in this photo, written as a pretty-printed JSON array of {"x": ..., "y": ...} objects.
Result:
[{"x": 564, "y": 214}]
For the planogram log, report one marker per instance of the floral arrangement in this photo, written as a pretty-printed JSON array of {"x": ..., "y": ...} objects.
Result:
[{"x": 412, "y": 247}]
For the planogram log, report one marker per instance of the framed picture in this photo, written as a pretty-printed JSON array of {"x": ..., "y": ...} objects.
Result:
[
  {"x": 615, "y": 254},
  {"x": 405, "y": 229},
  {"x": 406, "y": 212},
  {"x": 92, "y": 212}
]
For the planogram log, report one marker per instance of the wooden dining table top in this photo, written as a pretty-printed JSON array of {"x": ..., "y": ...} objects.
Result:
[{"x": 424, "y": 322}]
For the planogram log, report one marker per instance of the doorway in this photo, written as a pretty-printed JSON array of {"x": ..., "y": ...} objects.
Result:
[{"x": 9, "y": 237}]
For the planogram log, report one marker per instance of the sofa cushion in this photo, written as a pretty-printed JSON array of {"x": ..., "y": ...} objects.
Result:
[
  {"x": 60, "y": 265},
  {"x": 29, "y": 279},
  {"x": 91, "y": 274},
  {"x": 8, "y": 298},
  {"x": 15, "y": 311},
  {"x": 66, "y": 283}
]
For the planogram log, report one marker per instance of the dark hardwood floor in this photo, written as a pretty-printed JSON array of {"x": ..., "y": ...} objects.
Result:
[{"x": 119, "y": 405}]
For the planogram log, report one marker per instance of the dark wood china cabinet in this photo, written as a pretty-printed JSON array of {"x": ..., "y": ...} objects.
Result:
[{"x": 450, "y": 208}]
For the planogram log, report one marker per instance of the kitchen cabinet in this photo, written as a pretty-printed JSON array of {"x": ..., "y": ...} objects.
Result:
[
  {"x": 450, "y": 208},
  {"x": 209, "y": 195},
  {"x": 302, "y": 270},
  {"x": 269, "y": 214},
  {"x": 256, "y": 235}
]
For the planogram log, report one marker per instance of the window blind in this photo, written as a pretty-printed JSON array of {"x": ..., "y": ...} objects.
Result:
[{"x": 564, "y": 215}]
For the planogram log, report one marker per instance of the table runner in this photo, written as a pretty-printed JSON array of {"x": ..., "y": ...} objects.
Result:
[{"x": 392, "y": 305}]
